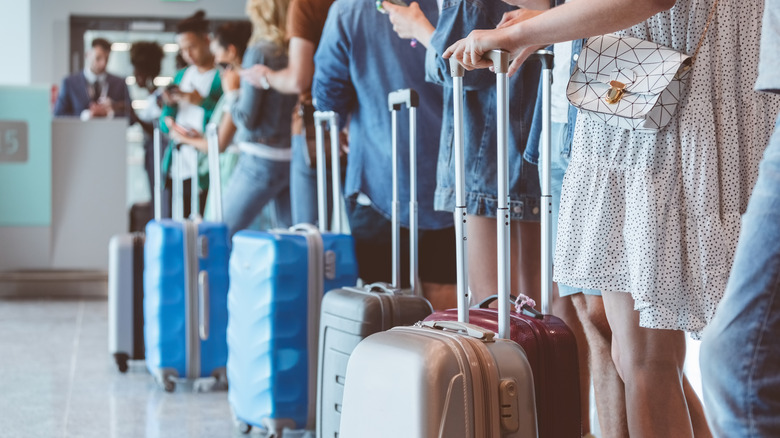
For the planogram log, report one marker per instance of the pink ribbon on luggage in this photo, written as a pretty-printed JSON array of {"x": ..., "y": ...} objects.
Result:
[{"x": 523, "y": 301}]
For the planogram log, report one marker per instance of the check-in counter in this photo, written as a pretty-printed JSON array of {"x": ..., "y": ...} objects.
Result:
[{"x": 62, "y": 186}]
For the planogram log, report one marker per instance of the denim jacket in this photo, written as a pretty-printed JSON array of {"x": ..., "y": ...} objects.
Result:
[
  {"x": 263, "y": 116},
  {"x": 458, "y": 19},
  {"x": 532, "y": 148},
  {"x": 359, "y": 61}
]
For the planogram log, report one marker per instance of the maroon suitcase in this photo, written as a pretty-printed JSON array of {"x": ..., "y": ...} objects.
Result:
[
  {"x": 548, "y": 342},
  {"x": 552, "y": 351}
]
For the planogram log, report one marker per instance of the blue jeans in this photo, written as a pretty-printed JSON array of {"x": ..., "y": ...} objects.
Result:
[
  {"x": 740, "y": 352},
  {"x": 303, "y": 185},
  {"x": 256, "y": 181},
  {"x": 559, "y": 162}
]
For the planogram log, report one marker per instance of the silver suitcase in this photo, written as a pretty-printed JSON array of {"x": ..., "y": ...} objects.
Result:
[
  {"x": 126, "y": 298},
  {"x": 350, "y": 314},
  {"x": 447, "y": 379},
  {"x": 125, "y": 283}
]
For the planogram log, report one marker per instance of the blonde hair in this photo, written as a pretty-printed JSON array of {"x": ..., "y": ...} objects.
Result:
[{"x": 269, "y": 21}]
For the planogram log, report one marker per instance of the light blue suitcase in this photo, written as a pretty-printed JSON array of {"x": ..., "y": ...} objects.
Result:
[
  {"x": 277, "y": 280},
  {"x": 186, "y": 284}
]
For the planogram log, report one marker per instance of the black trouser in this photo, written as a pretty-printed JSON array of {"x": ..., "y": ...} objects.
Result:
[
  {"x": 167, "y": 208},
  {"x": 372, "y": 233}
]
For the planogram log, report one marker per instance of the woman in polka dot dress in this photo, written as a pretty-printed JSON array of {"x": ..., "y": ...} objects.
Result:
[{"x": 652, "y": 219}]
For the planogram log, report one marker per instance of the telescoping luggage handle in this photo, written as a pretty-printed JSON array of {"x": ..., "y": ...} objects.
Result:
[
  {"x": 332, "y": 119},
  {"x": 396, "y": 100},
  {"x": 500, "y": 60},
  {"x": 157, "y": 177},
  {"x": 546, "y": 58},
  {"x": 214, "y": 179}
]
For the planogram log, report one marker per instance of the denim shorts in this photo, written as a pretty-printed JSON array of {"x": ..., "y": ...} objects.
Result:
[
  {"x": 558, "y": 164},
  {"x": 481, "y": 172}
]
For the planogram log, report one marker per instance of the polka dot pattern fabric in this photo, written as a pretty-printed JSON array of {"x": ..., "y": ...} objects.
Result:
[{"x": 658, "y": 214}]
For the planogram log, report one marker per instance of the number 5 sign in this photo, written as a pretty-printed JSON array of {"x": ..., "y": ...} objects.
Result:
[{"x": 13, "y": 142}]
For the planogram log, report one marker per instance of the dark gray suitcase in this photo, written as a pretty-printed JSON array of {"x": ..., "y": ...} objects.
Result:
[
  {"x": 126, "y": 298},
  {"x": 126, "y": 279},
  {"x": 351, "y": 314},
  {"x": 447, "y": 379}
]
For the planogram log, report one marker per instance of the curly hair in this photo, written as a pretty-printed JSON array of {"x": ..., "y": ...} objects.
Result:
[
  {"x": 146, "y": 57},
  {"x": 269, "y": 21},
  {"x": 236, "y": 33},
  {"x": 195, "y": 23}
]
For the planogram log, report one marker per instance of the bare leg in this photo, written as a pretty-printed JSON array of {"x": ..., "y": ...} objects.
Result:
[
  {"x": 650, "y": 361},
  {"x": 482, "y": 258},
  {"x": 608, "y": 387},
  {"x": 700, "y": 427},
  {"x": 441, "y": 296},
  {"x": 526, "y": 257}
]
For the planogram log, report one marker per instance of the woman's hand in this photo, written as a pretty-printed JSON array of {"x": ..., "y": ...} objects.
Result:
[
  {"x": 257, "y": 75},
  {"x": 470, "y": 51},
  {"x": 193, "y": 97},
  {"x": 184, "y": 136},
  {"x": 409, "y": 22}
]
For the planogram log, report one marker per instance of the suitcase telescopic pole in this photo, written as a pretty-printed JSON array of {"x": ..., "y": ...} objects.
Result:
[
  {"x": 457, "y": 72},
  {"x": 546, "y": 58},
  {"x": 500, "y": 60}
]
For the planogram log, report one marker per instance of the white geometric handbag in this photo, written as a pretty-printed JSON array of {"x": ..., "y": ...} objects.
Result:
[{"x": 629, "y": 82}]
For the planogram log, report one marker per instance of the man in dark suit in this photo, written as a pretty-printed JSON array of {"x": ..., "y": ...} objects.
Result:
[{"x": 93, "y": 93}]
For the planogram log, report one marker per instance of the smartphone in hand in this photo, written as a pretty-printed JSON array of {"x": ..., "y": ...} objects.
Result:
[
  {"x": 183, "y": 130},
  {"x": 395, "y": 2}
]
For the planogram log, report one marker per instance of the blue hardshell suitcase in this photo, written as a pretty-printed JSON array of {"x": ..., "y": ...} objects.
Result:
[
  {"x": 185, "y": 301},
  {"x": 277, "y": 280}
]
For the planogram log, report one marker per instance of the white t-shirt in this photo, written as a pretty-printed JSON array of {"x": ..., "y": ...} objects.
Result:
[{"x": 191, "y": 116}]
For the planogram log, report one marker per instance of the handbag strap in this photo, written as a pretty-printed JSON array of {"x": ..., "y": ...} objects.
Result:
[{"x": 706, "y": 28}]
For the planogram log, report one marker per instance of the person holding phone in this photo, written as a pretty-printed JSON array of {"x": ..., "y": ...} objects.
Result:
[
  {"x": 305, "y": 20},
  {"x": 93, "y": 92},
  {"x": 189, "y": 105}
]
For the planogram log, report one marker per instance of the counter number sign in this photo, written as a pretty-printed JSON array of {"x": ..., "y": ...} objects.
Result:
[{"x": 13, "y": 141}]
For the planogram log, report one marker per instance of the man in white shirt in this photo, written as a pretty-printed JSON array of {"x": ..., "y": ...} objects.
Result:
[{"x": 190, "y": 101}]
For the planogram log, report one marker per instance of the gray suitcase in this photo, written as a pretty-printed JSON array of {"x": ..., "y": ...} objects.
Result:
[
  {"x": 349, "y": 315},
  {"x": 125, "y": 283},
  {"x": 447, "y": 379},
  {"x": 126, "y": 298}
]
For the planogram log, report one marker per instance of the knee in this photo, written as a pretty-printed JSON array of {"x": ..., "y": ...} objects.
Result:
[{"x": 590, "y": 311}]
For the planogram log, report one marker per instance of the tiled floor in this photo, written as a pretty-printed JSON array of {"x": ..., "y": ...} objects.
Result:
[{"x": 58, "y": 380}]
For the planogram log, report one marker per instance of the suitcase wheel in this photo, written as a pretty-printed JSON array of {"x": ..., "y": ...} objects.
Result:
[
  {"x": 220, "y": 375},
  {"x": 169, "y": 385},
  {"x": 243, "y": 427},
  {"x": 121, "y": 361}
]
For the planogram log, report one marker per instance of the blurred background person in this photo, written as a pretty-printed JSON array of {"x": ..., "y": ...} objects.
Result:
[
  {"x": 262, "y": 117},
  {"x": 353, "y": 79},
  {"x": 146, "y": 58},
  {"x": 189, "y": 103},
  {"x": 305, "y": 20},
  {"x": 93, "y": 92}
]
